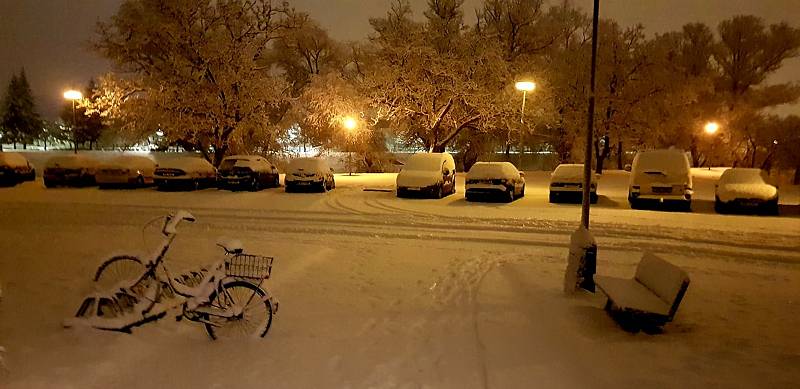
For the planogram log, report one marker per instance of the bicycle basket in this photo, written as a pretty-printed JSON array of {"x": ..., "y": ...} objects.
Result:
[{"x": 248, "y": 266}]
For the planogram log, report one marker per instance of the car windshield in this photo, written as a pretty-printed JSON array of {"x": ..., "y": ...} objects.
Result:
[
  {"x": 568, "y": 171},
  {"x": 229, "y": 163}
]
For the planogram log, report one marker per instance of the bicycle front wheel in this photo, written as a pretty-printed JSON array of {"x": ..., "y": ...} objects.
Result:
[{"x": 238, "y": 310}]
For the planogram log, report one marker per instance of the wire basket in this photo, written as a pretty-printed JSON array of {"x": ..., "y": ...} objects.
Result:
[{"x": 249, "y": 266}]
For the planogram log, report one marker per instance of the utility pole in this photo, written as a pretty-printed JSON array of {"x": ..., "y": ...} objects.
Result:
[{"x": 582, "y": 258}]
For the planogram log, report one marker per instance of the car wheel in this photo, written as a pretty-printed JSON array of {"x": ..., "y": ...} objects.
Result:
[
  {"x": 634, "y": 203},
  {"x": 195, "y": 184},
  {"x": 255, "y": 184},
  {"x": 140, "y": 181},
  {"x": 287, "y": 189},
  {"x": 277, "y": 182},
  {"x": 322, "y": 187},
  {"x": 593, "y": 198},
  {"x": 48, "y": 183},
  {"x": 522, "y": 193},
  {"x": 468, "y": 197},
  {"x": 440, "y": 191},
  {"x": 553, "y": 198},
  {"x": 510, "y": 195},
  {"x": 719, "y": 207}
]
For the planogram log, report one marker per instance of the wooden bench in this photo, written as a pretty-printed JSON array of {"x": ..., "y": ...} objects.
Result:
[{"x": 651, "y": 297}]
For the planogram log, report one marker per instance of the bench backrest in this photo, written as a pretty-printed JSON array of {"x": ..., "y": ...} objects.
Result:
[{"x": 666, "y": 280}]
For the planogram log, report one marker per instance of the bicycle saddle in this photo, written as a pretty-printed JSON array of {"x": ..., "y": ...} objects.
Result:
[{"x": 231, "y": 246}]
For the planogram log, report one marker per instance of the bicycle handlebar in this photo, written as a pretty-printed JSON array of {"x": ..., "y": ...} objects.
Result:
[{"x": 171, "y": 224}]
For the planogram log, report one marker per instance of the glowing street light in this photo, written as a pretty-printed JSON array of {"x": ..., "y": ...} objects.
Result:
[
  {"x": 350, "y": 124},
  {"x": 73, "y": 96},
  {"x": 525, "y": 87},
  {"x": 711, "y": 128}
]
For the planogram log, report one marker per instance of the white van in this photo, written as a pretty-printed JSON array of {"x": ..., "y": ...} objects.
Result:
[
  {"x": 427, "y": 174},
  {"x": 659, "y": 177}
]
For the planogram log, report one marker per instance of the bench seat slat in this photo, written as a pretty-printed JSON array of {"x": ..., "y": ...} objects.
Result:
[{"x": 630, "y": 294}]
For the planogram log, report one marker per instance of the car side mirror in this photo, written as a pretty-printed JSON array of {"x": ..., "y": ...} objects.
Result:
[
  {"x": 522, "y": 174},
  {"x": 628, "y": 167},
  {"x": 331, "y": 170},
  {"x": 446, "y": 172}
]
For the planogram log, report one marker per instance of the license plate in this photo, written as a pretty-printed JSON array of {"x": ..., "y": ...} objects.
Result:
[
  {"x": 233, "y": 182},
  {"x": 413, "y": 188},
  {"x": 661, "y": 189},
  {"x": 303, "y": 183}
]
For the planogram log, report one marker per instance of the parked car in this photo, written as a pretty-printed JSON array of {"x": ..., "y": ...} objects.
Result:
[
  {"x": 427, "y": 174},
  {"x": 493, "y": 180},
  {"x": 566, "y": 184},
  {"x": 126, "y": 170},
  {"x": 660, "y": 177},
  {"x": 70, "y": 170},
  {"x": 247, "y": 171},
  {"x": 309, "y": 174},
  {"x": 185, "y": 173},
  {"x": 14, "y": 169},
  {"x": 745, "y": 189}
]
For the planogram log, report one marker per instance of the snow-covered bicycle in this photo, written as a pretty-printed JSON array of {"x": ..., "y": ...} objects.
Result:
[{"x": 228, "y": 298}]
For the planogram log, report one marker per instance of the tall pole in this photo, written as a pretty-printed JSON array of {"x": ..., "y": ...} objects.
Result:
[
  {"x": 74, "y": 133},
  {"x": 522, "y": 112},
  {"x": 587, "y": 164}
]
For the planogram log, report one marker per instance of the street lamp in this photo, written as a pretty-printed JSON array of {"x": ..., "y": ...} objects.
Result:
[
  {"x": 525, "y": 87},
  {"x": 73, "y": 96},
  {"x": 711, "y": 128},
  {"x": 350, "y": 124}
]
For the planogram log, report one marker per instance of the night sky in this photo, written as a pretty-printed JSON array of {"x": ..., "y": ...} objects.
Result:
[{"x": 49, "y": 37}]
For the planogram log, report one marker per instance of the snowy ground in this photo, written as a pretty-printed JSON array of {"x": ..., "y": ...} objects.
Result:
[{"x": 383, "y": 292}]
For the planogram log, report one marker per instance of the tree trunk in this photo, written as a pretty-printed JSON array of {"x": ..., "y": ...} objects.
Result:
[
  {"x": 620, "y": 166},
  {"x": 601, "y": 154},
  {"x": 796, "y": 180},
  {"x": 438, "y": 148}
]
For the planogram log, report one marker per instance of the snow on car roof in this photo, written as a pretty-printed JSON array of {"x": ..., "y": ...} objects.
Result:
[
  {"x": 129, "y": 161},
  {"x": 424, "y": 161},
  {"x": 71, "y": 161},
  {"x": 186, "y": 164},
  {"x": 489, "y": 170},
  {"x": 13, "y": 159},
  {"x": 308, "y": 164},
  {"x": 667, "y": 161},
  {"x": 742, "y": 176}
]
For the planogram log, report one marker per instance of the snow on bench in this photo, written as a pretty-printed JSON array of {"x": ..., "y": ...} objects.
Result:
[{"x": 653, "y": 294}]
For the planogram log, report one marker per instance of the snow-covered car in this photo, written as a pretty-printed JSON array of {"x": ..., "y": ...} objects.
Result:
[
  {"x": 70, "y": 170},
  {"x": 132, "y": 170},
  {"x": 185, "y": 172},
  {"x": 745, "y": 189},
  {"x": 309, "y": 174},
  {"x": 247, "y": 171},
  {"x": 659, "y": 177},
  {"x": 566, "y": 183},
  {"x": 427, "y": 174},
  {"x": 494, "y": 179},
  {"x": 15, "y": 168}
]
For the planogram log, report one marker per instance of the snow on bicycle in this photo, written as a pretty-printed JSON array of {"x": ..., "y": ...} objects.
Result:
[{"x": 228, "y": 298}]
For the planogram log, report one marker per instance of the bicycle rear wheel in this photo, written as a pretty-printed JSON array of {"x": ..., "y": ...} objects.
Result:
[
  {"x": 134, "y": 289},
  {"x": 120, "y": 271},
  {"x": 238, "y": 310}
]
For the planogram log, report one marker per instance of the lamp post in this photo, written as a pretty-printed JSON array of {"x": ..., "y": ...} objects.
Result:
[
  {"x": 711, "y": 128},
  {"x": 73, "y": 96},
  {"x": 350, "y": 124},
  {"x": 525, "y": 87}
]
